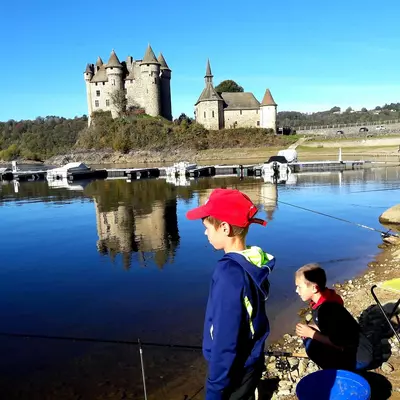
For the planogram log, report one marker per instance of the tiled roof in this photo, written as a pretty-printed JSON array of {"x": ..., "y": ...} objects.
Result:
[
  {"x": 113, "y": 61},
  {"x": 149, "y": 56},
  {"x": 240, "y": 101},
  {"x": 268, "y": 100},
  {"x": 162, "y": 62}
]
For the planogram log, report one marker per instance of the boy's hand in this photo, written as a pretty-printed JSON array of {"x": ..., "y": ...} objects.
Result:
[{"x": 304, "y": 331}]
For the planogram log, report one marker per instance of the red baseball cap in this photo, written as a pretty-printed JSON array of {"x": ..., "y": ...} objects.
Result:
[{"x": 228, "y": 205}]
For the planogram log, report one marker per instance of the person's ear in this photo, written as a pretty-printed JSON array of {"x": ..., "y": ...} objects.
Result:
[{"x": 226, "y": 228}]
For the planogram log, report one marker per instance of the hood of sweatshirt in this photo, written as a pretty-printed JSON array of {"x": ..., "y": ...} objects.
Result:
[
  {"x": 327, "y": 295},
  {"x": 257, "y": 263}
]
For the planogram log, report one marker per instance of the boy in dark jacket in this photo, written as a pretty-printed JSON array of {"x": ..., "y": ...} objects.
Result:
[
  {"x": 236, "y": 324},
  {"x": 334, "y": 339}
]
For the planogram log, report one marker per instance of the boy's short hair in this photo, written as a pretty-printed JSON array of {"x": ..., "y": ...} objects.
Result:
[
  {"x": 228, "y": 205},
  {"x": 313, "y": 273},
  {"x": 235, "y": 230}
]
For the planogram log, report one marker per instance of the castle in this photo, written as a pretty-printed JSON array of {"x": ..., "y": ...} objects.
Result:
[
  {"x": 233, "y": 110},
  {"x": 145, "y": 84}
]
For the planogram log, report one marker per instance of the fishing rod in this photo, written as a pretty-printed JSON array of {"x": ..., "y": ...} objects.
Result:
[
  {"x": 383, "y": 233},
  {"x": 137, "y": 343}
]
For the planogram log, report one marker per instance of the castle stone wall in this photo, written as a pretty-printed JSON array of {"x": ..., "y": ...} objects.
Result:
[
  {"x": 241, "y": 118},
  {"x": 210, "y": 114}
]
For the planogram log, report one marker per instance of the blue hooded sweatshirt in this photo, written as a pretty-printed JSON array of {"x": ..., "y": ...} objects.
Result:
[{"x": 233, "y": 342}]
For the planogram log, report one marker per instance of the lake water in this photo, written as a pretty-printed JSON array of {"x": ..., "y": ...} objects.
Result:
[{"x": 119, "y": 260}]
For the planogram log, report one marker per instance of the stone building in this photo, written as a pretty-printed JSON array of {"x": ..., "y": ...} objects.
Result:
[
  {"x": 233, "y": 110},
  {"x": 145, "y": 83}
]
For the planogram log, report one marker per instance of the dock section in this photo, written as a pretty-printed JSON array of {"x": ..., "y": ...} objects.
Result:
[{"x": 80, "y": 172}]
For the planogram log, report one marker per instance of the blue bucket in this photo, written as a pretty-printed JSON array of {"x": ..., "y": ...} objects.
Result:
[{"x": 332, "y": 384}]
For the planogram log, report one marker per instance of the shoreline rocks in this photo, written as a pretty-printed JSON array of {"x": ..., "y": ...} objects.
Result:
[
  {"x": 358, "y": 300},
  {"x": 391, "y": 216}
]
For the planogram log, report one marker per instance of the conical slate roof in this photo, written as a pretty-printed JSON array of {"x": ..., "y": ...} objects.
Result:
[
  {"x": 209, "y": 92},
  {"x": 113, "y": 61},
  {"x": 89, "y": 69},
  {"x": 162, "y": 62},
  {"x": 149, "y": 57},
  {"x": 268, "y": 100},
  {"x": 99, "y": 62},
  {"x": 100, "y": 75},
  {"x": 208, "y": 70}
]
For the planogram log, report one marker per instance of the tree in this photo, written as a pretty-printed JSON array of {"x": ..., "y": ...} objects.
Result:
[
  {"x": 118, "y": 99},
  {"x": 364, "y": 110},
  {"x": 348, "y": 110},
  {"x": 183, "y": 117},
  {"x": 335, "y": 109},
  {"x": 229, "y": 86}
]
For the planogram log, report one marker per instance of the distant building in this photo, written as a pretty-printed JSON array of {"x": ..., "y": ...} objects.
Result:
[
  {"x": 233, "y": 110},
  {"x": 146, "y": 84}
]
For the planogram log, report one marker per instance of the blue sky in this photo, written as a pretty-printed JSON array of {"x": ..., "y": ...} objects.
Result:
[{"x": 312, "y": 54}]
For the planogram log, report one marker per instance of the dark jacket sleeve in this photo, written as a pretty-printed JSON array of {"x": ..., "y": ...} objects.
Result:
[{"x": 228, "y": 312}]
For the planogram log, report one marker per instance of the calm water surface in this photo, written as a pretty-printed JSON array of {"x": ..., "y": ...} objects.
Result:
[{"x": 118, "y": 260}]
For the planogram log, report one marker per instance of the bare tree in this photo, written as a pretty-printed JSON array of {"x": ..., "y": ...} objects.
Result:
[{"x": 119, "y": 101}]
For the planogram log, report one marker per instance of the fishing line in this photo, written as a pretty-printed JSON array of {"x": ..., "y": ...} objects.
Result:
[
  {"x": 136, "y": 343},
  {"x": 384, "y": 234}
]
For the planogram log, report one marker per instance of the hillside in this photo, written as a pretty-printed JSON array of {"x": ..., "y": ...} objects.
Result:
[{"x": 335, "y": 115}]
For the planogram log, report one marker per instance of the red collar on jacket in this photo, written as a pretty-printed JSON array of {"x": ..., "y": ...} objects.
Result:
[{"x": 327, "y": 295}]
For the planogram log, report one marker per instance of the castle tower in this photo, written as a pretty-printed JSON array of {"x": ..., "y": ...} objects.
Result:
[
  {"x": 88, "y": 75},
  {"x": 165, "y": 78},
  {"x": 150, "y": 74},
  {"x": 268, "y": 109},
  {"x": 114, "y": 72},
  {"x": 209, "y": 108},
  {"x": 99, "y": 64}
]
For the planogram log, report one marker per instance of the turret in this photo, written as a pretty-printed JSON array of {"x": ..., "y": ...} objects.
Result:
[
  {"x": 210, "y": 106},
  {"x": 114, "y": 70},
  {"x": 150, "y": 72},
  {"x": 99, "y": 64},
  {"x": 88, "y": 75},
  {"x": 268, "y": 109},
  {"x": 165, "y": 77}
]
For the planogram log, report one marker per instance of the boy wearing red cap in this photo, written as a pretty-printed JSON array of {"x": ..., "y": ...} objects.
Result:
[{"x": 236, "y": 325}]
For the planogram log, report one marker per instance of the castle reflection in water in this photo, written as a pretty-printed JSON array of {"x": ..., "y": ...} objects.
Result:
[{"x": 138, "y": 223}]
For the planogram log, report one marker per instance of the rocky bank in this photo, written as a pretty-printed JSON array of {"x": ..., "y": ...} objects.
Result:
[{"x": 283, "y": 374}]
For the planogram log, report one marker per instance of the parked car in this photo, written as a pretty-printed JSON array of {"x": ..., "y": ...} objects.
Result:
[
  {"x": 339, "y": 132},
  {"x": 286, "y": 130},
  {"x": 363, "y": 129},
  {"x": 380, "y": 127}
]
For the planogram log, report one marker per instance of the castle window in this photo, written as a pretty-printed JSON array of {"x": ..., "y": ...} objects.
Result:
[
  {"x": 113, "y": 82},
  {"x": 155, "y": 80},
  {"x": 96, "y": 103},
  {"x": 240, "y": 112},
  {"x": 204, "y": 114},
  {"x": 256, "y": 111},
  {"x": 107, "y": 102},
  {"x": 258, "y": 123},
  {"x": 98, "y": 93},
  {"x": 96, "y": 83},
  {"x": 213, "y": 114},
  {"x": 104, "y": 83}
]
